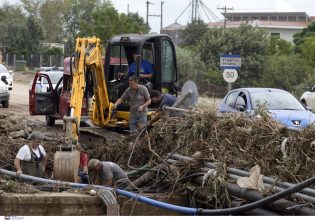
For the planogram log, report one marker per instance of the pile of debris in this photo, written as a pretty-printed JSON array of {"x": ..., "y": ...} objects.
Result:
[
  {"x": 233, "y": 141},
  {"x": 180, "y": 154},
  {"x": 15, "y": 132}
]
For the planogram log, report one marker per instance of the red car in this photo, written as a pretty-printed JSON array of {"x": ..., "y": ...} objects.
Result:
[{"x": 53, "y": 102}]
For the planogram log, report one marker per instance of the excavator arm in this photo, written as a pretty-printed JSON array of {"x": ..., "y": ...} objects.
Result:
[{"x": 88, "y": 60}]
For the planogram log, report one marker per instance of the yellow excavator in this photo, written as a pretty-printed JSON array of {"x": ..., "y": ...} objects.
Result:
[{"x": 98, "y": 82}]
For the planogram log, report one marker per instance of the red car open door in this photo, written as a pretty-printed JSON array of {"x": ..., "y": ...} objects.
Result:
[{"x": 42, "y": 100}]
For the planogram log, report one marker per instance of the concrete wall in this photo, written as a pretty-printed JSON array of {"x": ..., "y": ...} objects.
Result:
[{"x": 66, "y": 203}]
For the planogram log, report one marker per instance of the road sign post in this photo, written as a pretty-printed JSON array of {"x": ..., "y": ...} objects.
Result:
[
  {"x": 230, "y": 63},
  {"x": 230, "y": 75}
]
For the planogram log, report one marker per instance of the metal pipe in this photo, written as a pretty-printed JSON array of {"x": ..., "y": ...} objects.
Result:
[
  {"x": 272, "y": 181},
  {"x": 255, "y": 196},
  {"x": 276, "y": 188},
  {"x": 279, "y": 189},
  {"x": 174, "y": 109}
]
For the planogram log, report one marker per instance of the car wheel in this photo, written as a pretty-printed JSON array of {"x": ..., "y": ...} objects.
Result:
[
  {"x": 5, "y": 104},
  {"x": 50, "y": 121}
]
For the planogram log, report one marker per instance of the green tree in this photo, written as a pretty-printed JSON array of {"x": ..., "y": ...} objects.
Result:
[
  {"x": 24, "y": 38},
  {"x": 277, "y": 46},
  {"x": 52, "y": 20},
  {"x": 10, "y": 15},
  {"x": 106, "y": 22},
  {"x": 190, "y": 67},
  {"x": 285, "y": 72},
  {"x": 251, "y": 43},
  {"x": 132, "y": 23},
  {"x": 16, "y": 39},
  {"x": 308, "y": 50},
  {"x": 103, "y": 23},
  {"x": 34, "y": 36},
  {"x": 32, "y": 7},
  {"x": 76, "y": 11},
  {"x": 299, "y": 38},
  {"x": 193, "y": 33}
]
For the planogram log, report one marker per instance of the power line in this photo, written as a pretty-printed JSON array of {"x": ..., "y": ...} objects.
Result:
[
  {"x": 148, "y": 3},
  {"x": 196, "y": 6},
  {"x": 225, "y": 9}
]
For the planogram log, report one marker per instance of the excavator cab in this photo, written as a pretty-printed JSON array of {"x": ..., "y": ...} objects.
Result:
[{"x": 156, "y": 49}]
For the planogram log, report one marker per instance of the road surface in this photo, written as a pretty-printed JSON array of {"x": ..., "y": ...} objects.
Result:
[{"x": 18, "y": 103}]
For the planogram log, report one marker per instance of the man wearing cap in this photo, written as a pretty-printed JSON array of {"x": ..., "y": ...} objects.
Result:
[{"x": 106, "y": 173}]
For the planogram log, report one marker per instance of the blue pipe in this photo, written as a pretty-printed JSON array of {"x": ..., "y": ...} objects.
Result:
[
  {"x": 163, "y": 205},
  {"x": 131, "y": 195}
]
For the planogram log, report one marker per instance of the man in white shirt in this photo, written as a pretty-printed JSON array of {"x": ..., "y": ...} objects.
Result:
[{"x": 31, "y": 159}]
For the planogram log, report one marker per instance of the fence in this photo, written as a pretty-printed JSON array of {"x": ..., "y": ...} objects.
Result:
[{"x": 34, "y": 61}]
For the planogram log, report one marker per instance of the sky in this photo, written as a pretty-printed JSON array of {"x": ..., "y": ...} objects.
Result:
[{"x": 173, "y": 8}]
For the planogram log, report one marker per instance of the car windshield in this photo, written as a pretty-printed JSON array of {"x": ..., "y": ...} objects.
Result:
[
  {"x": 3, "y": 69},
  {"x": 54, "y": 78},
  {"x": 275, "y": 101}
]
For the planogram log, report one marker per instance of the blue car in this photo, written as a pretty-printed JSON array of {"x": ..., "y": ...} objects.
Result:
[{"x": 281, "y": 105}]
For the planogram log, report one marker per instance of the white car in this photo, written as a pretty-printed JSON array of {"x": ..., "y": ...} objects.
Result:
[
  {"x": 42, "y": 85},
  {"x": 308, "y": 99},
  {"x": 4, "y": 94},
  {"x": 8, "y": 74}
]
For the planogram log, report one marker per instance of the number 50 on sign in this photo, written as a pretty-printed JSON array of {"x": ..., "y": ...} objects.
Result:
[{"x": 230, "y": 75}]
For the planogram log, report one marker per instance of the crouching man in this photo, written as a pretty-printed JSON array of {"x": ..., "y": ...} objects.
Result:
[{"x": 106, "y": 173}]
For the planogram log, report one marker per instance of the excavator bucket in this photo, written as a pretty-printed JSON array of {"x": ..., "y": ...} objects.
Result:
[{"x": 66, "y": 165}]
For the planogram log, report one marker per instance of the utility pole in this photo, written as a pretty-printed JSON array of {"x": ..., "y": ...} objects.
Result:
[
  {"x": 162, "y": 3},
  {"x": 160, "y": 15},
  {"x": 148, "y": 3},
  {"x": 127, "y": 9},
  {"x": 225, "y": 9}
]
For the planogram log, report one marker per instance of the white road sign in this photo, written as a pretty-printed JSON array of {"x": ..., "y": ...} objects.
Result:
[
  {"x": 230, "y": 61},
  {"x": 230, "y": 75}
]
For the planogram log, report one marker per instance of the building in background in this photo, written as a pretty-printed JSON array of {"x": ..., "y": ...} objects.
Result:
[
  {"x": 281, "y": 24},
  {"x": 174, "y": 31}
]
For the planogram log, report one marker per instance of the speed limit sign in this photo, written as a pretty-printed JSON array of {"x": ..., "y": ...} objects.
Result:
[{"x": 230, "y": 75}]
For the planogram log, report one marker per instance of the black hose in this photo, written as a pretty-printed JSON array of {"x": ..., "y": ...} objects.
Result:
[
  {"x": 242, "y": 173},
  {"x": 259, "y": 203}
]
